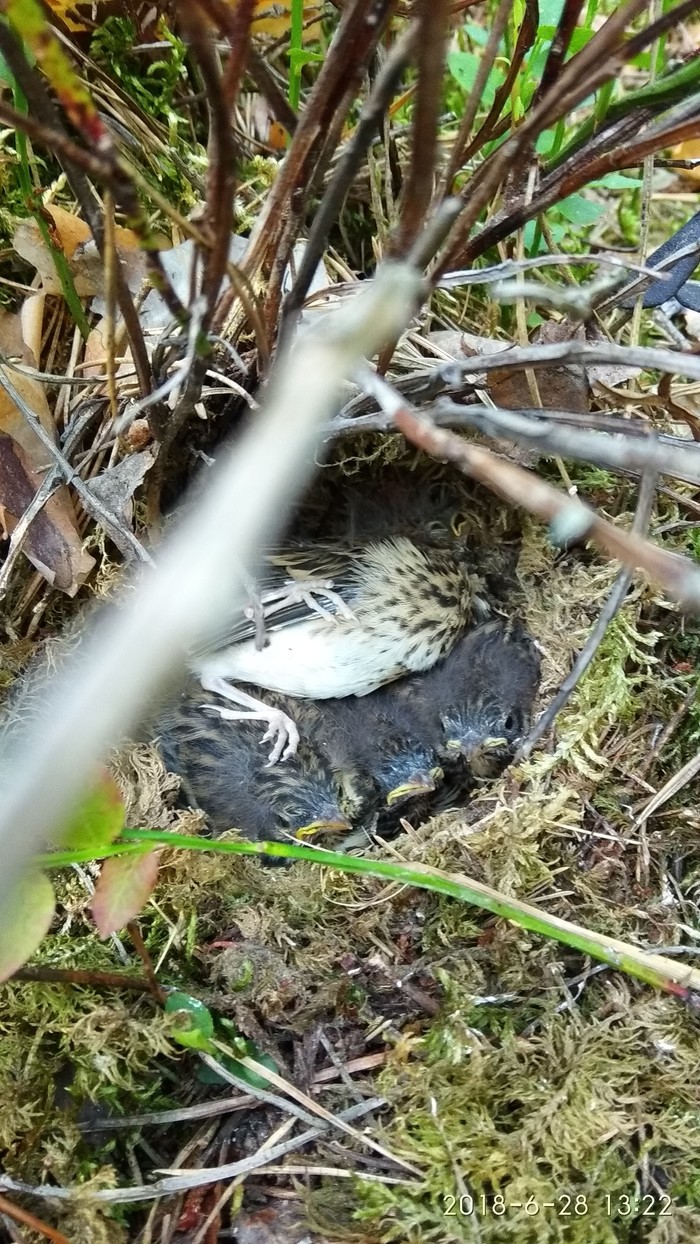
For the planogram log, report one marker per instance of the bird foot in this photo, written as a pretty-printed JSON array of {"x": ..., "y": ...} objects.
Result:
[
  {"x": 304, "y": 592},
  {"x": 281, "y": 729}
]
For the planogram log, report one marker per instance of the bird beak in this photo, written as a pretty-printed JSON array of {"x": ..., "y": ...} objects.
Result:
[
  {"x": 317, "y": 827},
  {"x": 463, "y": 747},
  {"x": 490, "y": 745},
  {"x": 420, "y": 785},
  {"x": 479, "y": 757}
]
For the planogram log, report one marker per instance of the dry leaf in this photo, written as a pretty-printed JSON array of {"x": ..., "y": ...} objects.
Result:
[
  {"x": 273, "y": 18},
  {"x": 74, "y": 237},
  {"x": 559, "y": 388},
  {"x": 116, "y": 486},
  {"x": 53, "y": 543}
]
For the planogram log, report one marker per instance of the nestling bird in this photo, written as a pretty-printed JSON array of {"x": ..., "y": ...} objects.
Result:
[
  {"x": 340, "y": 621},
  {"x": 374, "y": 746},
  {"x": 224, "y": 774},
  {"x": 475, "y": 705}
]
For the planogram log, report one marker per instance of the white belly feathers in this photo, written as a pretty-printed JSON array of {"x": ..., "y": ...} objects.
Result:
[{"x": 319, "y": 659}]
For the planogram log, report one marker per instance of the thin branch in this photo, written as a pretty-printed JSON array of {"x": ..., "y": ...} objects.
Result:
[
  {"x": 361, "y": 26},
  {"x": 564, "y": 181},
  {"x": 188, "y": 1179},
  {"x": 50, "y": 131},
  {"x": 486, "y": 63},
  {"x": 280, "y": 108},
  {"x": 492, "y": 128},
  {"x": 568, "y": 21},
  {"x": 595, "y": 64},
  {"x": 570, "y": 518},
  {"x": 648, "y": 358},
  {"x": 355, "y": 38},
  {"x": 351, "y": 158},
  {"x": 617, "y": 452},
  {"x": 122, "y": 536},
  {"x": 640, "y": 524},
  {"x": 433, "y": 21}
]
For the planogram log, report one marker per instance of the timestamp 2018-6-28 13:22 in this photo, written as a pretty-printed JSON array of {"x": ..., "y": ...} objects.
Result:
[{"x": 565, "y": 1205}]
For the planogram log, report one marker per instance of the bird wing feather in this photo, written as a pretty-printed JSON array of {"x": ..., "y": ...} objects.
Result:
[{"x": 282, "y": 569}]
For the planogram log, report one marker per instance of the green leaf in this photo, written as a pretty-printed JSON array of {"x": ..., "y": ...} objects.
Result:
[
  {"x": 545, "y": 142},
  {"x": 98, "y": 820},
  {"x": 579, "y": 38},
  {"x": 463, "y": 67},
  {"x": 617, "y": 181},
  {"x": 299, "y": 57},
  {"x": 580, "y": 211},
  {"x": 6, "y": 74},
  {"x": 477, "y": 34},
  {"x": 235, "y": 1068},
  {"x": 195, "y": 1026},
  {"x": 26, "y": 919},
  {"x": 550, "y": 12}
]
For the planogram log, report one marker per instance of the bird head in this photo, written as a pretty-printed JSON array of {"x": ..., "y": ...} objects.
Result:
[
  {"x": 306, "y": 796},
  {"x": 483, "y": 732},
  {"x": 407, "y": 775}
]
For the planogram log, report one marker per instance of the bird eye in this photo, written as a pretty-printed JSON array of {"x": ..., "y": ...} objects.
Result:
[{"x": 510, "y": 723}]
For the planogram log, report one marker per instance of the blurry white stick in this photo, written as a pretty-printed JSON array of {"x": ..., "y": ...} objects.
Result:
[{"x": 136, "y": 650}]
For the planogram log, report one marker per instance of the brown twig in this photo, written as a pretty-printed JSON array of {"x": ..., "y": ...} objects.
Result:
[
  {"x": 30, "y": 1220},
  {"x": 351, "y": 157},
  {"x": 355, "y": 38},
  {"x": 678, "y": 575},
  {"x": 591, "y": 67},
  {"x": 564, "y": 181},
  {"x": 559, "y": 47},
  {"x": 642, "y": 517},
  {"x": 144, "y": 955},
  {"x": 221, "y": 94},
  {"x": 83, "y": 976},
  {"x": 433, "y": 22},
  {"x": 54, "y": 132},
  {"x": 486, "y": 63}
]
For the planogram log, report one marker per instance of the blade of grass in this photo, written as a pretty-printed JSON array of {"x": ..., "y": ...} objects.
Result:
[
  {"x": 656, "y": 970},
  {"x": 296, "y": 36},
  {"x": 63, "y": 271}
]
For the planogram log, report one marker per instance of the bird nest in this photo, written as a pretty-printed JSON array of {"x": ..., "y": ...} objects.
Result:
[{"x": 455, "y": 1007}]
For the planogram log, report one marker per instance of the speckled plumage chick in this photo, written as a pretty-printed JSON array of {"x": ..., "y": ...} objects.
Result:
[
  {"x": 475, "y": 705},
  {"x": 342, "y": 621},
  {"x": 223, "y": 773}
]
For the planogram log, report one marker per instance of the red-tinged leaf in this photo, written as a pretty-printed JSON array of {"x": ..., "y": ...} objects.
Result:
[
  {"x": 26, "y": 919},
  {"x": 28, "y": 20},
  {"x": 98, "y": 819},
  {"x": 124, "y": 885}
]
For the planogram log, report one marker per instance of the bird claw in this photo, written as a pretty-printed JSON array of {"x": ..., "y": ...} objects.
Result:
[
  {"x": 285, "y": 734},
  {"x": 304, "y": 592},
  {"x": 281, "y": 728}
]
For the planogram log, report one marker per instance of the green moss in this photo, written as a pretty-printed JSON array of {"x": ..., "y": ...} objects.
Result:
[{"x": 574, "y": 1105}]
